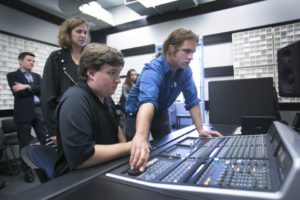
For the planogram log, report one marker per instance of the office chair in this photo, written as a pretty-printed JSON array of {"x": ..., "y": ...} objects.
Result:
[
  {"x": 41, "y": 159},
  {"x": 2, "y": 147},
  {"x": 10, "y": 139},
  {"x": 181, "y": 113}
]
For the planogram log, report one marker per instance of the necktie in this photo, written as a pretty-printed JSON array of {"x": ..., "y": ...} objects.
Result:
[{"x": 28, "y": 76}]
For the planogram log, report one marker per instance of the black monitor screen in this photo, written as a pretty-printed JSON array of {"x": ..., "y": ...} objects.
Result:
[{"x": 229, "y": 100}]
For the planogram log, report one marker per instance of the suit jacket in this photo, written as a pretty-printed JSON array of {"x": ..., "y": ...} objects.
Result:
[{"x": 23, "y": 100}]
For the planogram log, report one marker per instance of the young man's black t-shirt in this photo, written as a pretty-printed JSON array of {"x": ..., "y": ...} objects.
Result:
[{"x": 83, "y": 121}]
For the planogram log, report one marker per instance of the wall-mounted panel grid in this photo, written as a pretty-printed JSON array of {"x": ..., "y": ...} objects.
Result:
[
  {"x": 254, "y": 72},
  {"x": 11, "y": 47},
  {"x": 255, "y": 52},
  {"x": 253, "y": 48}
]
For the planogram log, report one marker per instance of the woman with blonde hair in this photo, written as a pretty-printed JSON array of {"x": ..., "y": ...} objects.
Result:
[{"x": 61, "y": 68}]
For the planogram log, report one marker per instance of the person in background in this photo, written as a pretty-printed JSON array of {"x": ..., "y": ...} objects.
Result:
[
  {"x": 157, "y": 87},
  {"x": 90, "y": 135},
  {"x": 61, "y": 68},
  {"x": 26, "y": 87},
  {"x": 126, "y": 87}
]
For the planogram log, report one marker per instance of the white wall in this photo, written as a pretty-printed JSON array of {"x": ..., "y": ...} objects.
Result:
[
  {"x": 242, "y": 17},
  {"x": 217, "y": 55},
  {"x": 136, "y": 62},
  {"x": 22, "y": 24},
  {"x": 251, "y": 15}
]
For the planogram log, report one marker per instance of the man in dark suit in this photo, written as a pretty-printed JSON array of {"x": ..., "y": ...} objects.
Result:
[{"x": 26, "y": 87}]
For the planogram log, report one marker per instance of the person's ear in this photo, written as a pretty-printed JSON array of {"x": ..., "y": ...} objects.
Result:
[
  {"x": 90, "y": 74},
  {"x": 171, "y": 49}
]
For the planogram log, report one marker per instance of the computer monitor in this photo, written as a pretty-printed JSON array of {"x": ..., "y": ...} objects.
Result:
[{"x": 230, "y": 100}]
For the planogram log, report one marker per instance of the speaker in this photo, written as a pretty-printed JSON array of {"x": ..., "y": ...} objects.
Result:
[{"x": 288, "y": 59}]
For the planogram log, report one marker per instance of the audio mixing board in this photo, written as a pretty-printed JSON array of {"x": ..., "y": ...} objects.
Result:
[{"x": 263, "y": 166}]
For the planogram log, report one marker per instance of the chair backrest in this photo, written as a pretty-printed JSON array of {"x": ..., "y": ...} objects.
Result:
[
  {"x": 9, "y": 129},
  {"x": 8, "y": 125},
  {"x": 180, "y": 109},
  {"x": 2, "y": 138},
  {"x": 41, "y": 159},
  {"x": 2, "y": 145}
]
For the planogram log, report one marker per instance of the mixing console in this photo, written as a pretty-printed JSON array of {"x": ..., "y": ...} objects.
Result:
[{"x": 255, "y": 165}]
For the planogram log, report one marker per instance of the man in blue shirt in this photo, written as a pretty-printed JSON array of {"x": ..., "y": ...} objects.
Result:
[{"x": 156, "y": 88}]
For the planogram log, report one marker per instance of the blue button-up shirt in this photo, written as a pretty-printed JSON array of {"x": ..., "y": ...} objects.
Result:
[{"x": 158, "y": 86}]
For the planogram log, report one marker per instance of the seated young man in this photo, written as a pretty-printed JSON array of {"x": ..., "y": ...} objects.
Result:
[{"x": 88, "y": 130}]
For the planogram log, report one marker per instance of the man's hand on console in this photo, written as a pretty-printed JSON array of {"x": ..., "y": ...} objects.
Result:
[
  {"x": 209, "y": 133},
  {"x": 140, "y": 152}
]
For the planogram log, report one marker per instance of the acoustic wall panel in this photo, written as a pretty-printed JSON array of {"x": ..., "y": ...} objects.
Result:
[
  {"x": 11, "y": 47},
  {"x": 255, "y": 52}
]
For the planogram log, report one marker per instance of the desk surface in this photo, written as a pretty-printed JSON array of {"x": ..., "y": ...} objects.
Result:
[
  {"x": 224, "y": 129},
  {"x": 92, "y": 184},
  {"x": 103, "y": 187}
]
